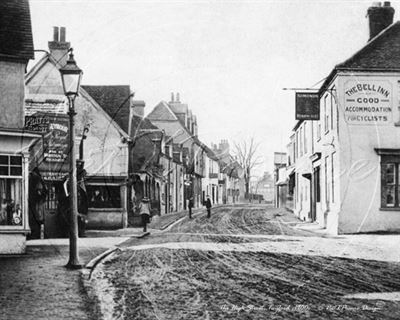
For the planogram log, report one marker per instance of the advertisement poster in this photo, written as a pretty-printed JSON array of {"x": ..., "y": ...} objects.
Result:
[{"x": 55, "y": 128}]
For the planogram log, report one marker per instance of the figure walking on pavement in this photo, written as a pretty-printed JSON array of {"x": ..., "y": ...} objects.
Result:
[
  {"x": 208, "y": 206},
  {"x": 190, "y": 206},
  {"x": 145, "y": 212}
]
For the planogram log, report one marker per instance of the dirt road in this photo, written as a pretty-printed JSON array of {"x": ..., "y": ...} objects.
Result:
[{"x": 206, "y": 269}]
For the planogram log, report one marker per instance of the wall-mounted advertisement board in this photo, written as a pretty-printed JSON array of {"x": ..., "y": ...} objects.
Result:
[{"x": 368, "y": 102}]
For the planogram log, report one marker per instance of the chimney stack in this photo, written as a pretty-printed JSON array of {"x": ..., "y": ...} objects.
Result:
[
  {"x": 59, "y": 47},
  {"x": 380, "y": 17},
  {"x": 138, "y": 108},
  {"x": 62, "y": 34},
  {"x": 55, "y": 33}
]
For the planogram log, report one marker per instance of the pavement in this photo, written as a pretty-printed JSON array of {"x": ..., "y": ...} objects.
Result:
[{"x": 37, "y": 285}]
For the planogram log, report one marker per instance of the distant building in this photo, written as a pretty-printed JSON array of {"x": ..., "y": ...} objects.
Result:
[
  {"x": 231, "y": 180},
  {"x": 280, "y": 179},
  {"x": 265, "y": 187},
  {"x": 178, "y": 122},
  {"x": 212, "y": 184}
]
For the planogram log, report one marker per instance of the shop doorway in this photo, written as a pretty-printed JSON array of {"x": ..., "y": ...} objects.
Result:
[
  {"x": 315, "y": 193},
  {"x": 55, "y": 211}
]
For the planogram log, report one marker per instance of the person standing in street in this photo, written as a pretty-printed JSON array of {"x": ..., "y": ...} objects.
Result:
[
  {"x": 208, "y": 206},
  {"x": 145, "y": 212},
  {"x": 190, "y": 206}
]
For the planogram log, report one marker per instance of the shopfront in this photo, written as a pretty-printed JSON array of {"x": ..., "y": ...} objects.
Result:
[
  {"x": 14, "y": 173},
  {"x": 107, "y": 202},
  {"x": 49, "y": 166}
]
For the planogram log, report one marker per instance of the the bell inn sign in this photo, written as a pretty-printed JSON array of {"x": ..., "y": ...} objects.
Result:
[{"x": 368, "y": 102}]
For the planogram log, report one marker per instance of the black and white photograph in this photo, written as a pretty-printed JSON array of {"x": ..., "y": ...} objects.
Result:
[{"x": 199, "y": 159}]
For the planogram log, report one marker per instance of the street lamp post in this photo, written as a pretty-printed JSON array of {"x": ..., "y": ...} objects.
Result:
[{"x": 71, "y": 78}]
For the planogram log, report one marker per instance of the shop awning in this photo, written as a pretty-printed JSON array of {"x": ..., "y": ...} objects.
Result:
[
  {"x": 307, "y": 175},
  {"x": 290, "y": 171}
]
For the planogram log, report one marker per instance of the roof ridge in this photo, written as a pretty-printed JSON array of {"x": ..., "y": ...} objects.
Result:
[
  {"x": 369, "y": 43},
  {"x": 95, "y": 103},
  {"x": 160, "y": 104},
  {"x": 345, "y": 64},
  {"x": 106, "y": 85},
  {"x": 36, "y": 67}
]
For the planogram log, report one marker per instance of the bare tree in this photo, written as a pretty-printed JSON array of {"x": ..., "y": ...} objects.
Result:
[{"x": 246, "y": 156}]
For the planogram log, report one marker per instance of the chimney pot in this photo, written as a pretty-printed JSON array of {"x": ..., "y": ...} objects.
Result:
[
  {"x": 62, "y": 34},
  {"x": 172, "y": 97},
  {"x": 55, "y": 34},
  {"x": 379, "y": 18},
  {"x": 177, "y": 97}
]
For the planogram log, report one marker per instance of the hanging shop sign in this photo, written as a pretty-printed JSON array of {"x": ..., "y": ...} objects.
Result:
[
  {"x": 307, "y": 106},
  {"x": 55, "y": 128},
  {"x": 368, "y": 102}
]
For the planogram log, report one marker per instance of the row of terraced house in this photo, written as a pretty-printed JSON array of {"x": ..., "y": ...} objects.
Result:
[
  {"x": 123, "y": 155},
  {"x": 126, "y": 156},
  {"x": 342, "y": 171}
]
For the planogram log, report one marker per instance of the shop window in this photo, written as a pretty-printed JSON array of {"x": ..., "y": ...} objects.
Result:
[
  {"x": 104, "y": 196},
  {"x": 10, "y": 190},
  {"x": 390, "y": 191}
]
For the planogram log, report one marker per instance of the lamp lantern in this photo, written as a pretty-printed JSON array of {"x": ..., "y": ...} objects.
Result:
[{"x": 71, "y": 76}]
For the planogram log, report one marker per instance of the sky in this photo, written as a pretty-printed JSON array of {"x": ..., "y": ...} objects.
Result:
[{"x": 229, "y": 60}]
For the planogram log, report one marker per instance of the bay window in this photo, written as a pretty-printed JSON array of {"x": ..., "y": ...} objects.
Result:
[
  {"x": 10, "y": 190},
  {"x": 104, "y": 196}
]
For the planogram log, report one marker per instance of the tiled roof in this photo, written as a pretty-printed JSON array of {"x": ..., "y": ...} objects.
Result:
[
  {"x": 114, "y": 100},
  {"x": 210, "y": 153},
  {"x": 139, "y": 124},
  {"x": 15, "y": 30},
  {"x": 178, "y": 107},
  {"x": 162, "y": 111},
  {"x": 382, "y": 53}
]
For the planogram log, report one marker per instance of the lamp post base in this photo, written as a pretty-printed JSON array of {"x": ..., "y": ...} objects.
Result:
[{"x": 73, "y": 266}]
